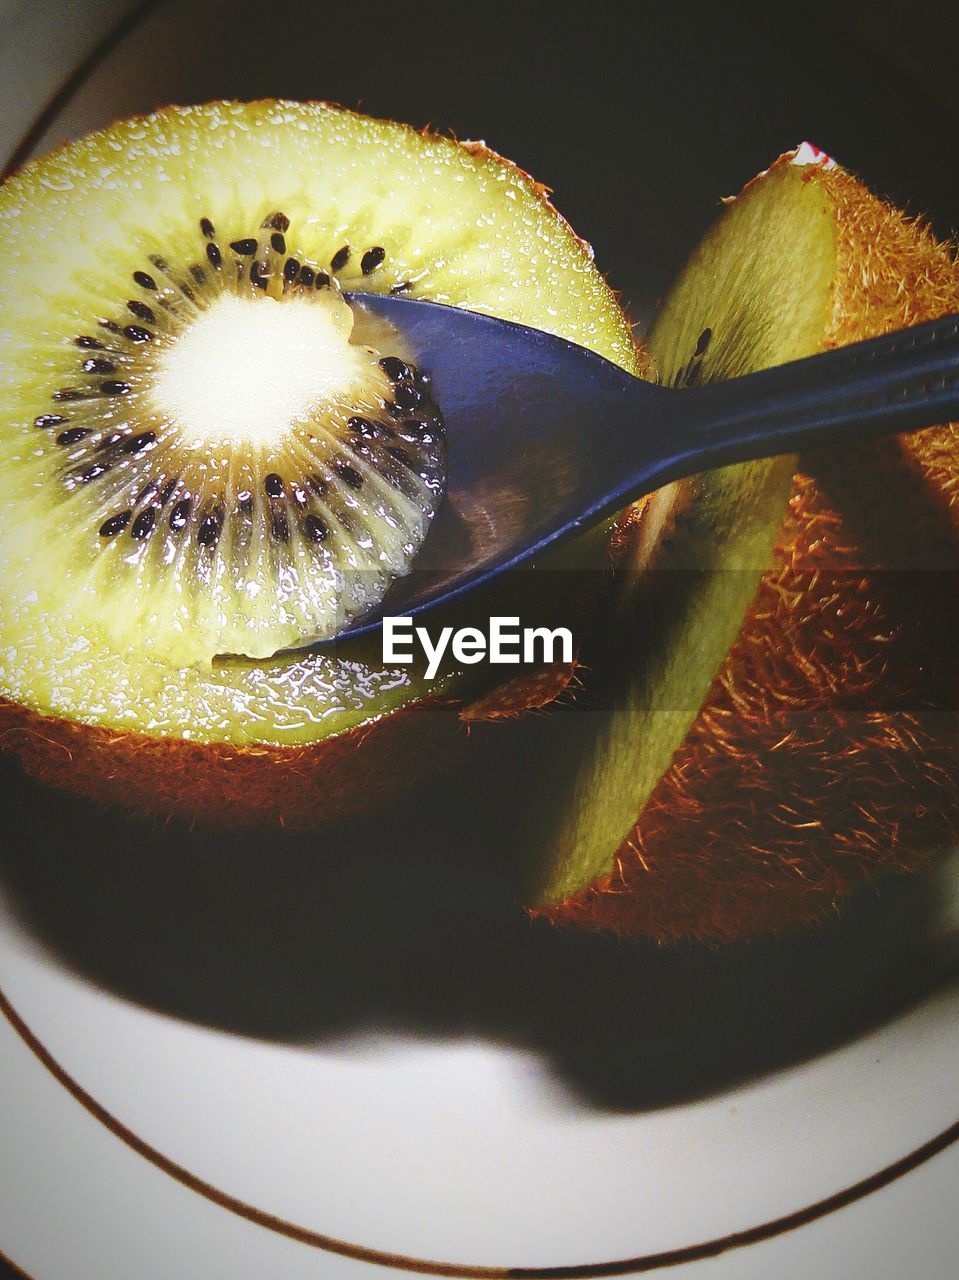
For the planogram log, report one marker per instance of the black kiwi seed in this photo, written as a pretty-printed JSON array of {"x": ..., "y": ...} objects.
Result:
[
  {"x": 340, "y": 258},
  {"x": 245, "y": 248},
  {"x": 114, "y": 388},
  {"x": 402, "y": 456},
  {"x": 213, "y": 253},
  {"x": 209, "y": 530},
  {"x": 414, "y": 429},
  {"x": 147, "y": 493},
  {"x": 278, "y": 221},
  {"x": 207, "y": 227},
  {"x": 372, "y": 259},
  {"x": 259, "y": 274},
  {"x": 703, "y": 343},
  {"x": 322, "y": 280},
  {"x": 50, "y": 420},
  {"x": 95, "y": 365},
  {"x": 180, "y": 513},
  {"x": 141, "y": 311},
  {"x": 92, "y": 344},
  {"x": 143, "y": 280},
  {"x": 72, "y": 436},
  {"x": 94, "y": 471},
  {"x": 349, "y": 475},
  {"x": 408, "y": 396},
  {"x": 136, "y": 444},
  {"x": 109, "y": 441},
  {"x": 278, "y": 242},
  {"x": 167, "y": 493},
  {"x": 136, "y": 333},
  {"x": 68, "y": 393},
  {"x": 395, "y": 369},
  {"x": 306, "y": 276},
  {"x": 291, "y": 270},
  {"x": 273, "y": 485},
  {"x": 110, "y": 325},
  {"x": 116, "y": 524},
  {"x": 315, "y": 529},
  {"x": 144, "y": 523},
  {"x": 367, "y": 429}
]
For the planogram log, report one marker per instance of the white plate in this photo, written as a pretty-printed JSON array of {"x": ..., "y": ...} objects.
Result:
[
  {"x": 572, "y": 1103},
  {"x": 225, "y": 1059}
]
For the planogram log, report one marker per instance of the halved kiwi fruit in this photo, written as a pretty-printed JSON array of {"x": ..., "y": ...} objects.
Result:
[
  {"x": 754, "y": 756},
  {"x": 203, "y": 462}
]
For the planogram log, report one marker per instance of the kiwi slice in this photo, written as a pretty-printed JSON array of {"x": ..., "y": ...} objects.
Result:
[
  {"x": 758, "y": 755},
  {"x": 201, "y": 459}
]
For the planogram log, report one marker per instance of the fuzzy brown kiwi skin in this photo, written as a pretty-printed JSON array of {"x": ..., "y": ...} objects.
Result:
[
  {"x": 303, "y": 787},
  {"x": 825, "y": 754},
  {"x": 223, "y": 785}
]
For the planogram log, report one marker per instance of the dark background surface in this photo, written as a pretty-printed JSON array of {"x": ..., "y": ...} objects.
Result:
[{"x": 639, "y": 123}]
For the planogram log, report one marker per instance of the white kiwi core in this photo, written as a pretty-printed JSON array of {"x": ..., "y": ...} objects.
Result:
[{"x": 249, "y": 369}]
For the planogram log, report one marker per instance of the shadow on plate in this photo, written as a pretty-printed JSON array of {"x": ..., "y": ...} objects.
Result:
[{"x": 403, "y": 923}]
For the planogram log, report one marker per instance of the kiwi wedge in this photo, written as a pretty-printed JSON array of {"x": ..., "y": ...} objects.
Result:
[
  {"x": 204, "y": 461},
  {"x": 776, "y": 723}
]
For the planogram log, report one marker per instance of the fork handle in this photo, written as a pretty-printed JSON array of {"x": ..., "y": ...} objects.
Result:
[{"x": 899, "y": 382}]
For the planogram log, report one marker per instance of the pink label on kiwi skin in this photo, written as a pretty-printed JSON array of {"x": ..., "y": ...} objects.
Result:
[{"x": 809, "y": 153}]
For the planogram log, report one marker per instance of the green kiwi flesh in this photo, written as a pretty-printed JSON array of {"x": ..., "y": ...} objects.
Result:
[
  {"x": 110, "y": 237},
  {"x": 756, "y": 292},
  {"x": 204, "y": 503}
]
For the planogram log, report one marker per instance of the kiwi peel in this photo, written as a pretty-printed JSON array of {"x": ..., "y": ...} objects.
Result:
[
  {"x": 122, "y": 246},
  {"x": 804, "y": 747}
]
